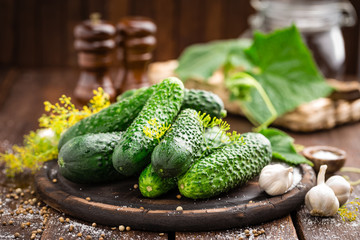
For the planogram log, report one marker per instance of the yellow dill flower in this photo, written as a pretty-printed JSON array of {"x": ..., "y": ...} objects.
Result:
[
  {"x": 41, "y": 145},
  {"x": 154, "y": 130},
  {"x": 100, "y": 100},
  {"x": 152, "y": 122},
  {"x": 350, "y": 211},
  {"x": 147, "y": 132},
  {"x": 162, "y": 130},
  {"x": 209, "y": 122}
]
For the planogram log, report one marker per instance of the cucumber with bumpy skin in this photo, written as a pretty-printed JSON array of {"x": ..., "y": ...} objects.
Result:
[
  {"x": 151, "y": 185},
  {"x": 205, "y": 102},
  {"x": 87, "y": 158},
  {"x": 130, "y": 93},
  {"x": 180, "y": 145},
  {"x": 116, "y": 117},
  {"x": 130, "y": 155},
  {"x": 200, "y": 100},
  {"x": 226, "y": 168},
  {"x": 214, "y": 139}
]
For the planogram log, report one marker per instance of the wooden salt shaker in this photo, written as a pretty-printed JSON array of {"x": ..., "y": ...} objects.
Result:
[
  {"x": 136, "y": 41},
  {"x": 94, "y": 41}
]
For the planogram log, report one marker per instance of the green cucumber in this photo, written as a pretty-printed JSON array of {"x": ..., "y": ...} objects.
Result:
[
  {"x": 226, "y": 168},
  {"x": 116, "y": 117},
  {"x": 87, "y": 158},
  {"x": 214, "y": 139},
  {"x": 151, "y": 185},
  {"x": 200, "y": 100},
  {"x": 130, "y": 93},
  {"x": 176, "y": 152},
  {"x": 204, "y": 101},
  {"x": 130, "y": 155}
]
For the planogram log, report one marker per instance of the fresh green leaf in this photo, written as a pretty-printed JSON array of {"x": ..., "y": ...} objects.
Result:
[
  {"x": 237, "y": 61},
  {"x": 200, "y": 61},
  {"x": 280, "y": 62},
  {"x": 285, "y": 69},
  {"x": 241, "y": 85},
  {"x": 283, "y": 148}
]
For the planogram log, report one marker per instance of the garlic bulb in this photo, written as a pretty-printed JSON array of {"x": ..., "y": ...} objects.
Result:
[
  {"x": 276, "y": 179},
  {"x": 341, "y": 188},
  {"x": 321, "y": 199}
]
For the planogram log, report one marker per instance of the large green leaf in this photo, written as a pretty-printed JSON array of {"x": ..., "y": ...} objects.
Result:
[
  {"x": 285, "y": 69},
  {"x": 200, "y": 61},
  {"x": 280, "y": 62},
  {"x": 241, "y": 86}
]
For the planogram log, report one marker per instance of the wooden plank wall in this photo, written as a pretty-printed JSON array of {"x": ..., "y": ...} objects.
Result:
[{"x": 39, "y": 33}]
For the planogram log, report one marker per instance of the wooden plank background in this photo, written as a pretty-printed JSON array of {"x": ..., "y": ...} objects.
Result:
[{"x": 39, "y": 33}]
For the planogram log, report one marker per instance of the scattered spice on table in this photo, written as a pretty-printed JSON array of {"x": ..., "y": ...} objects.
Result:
[
  {"x": 61, "y": 219},
  {"x": 121, "y": 228},
  {"x": 71, "y": 228}
]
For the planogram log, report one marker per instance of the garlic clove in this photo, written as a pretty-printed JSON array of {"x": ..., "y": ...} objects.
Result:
[
  {"x": 276, "y": 179},
  {"x": 341, "y": 188},
  {"x": 321, "y": 199}
]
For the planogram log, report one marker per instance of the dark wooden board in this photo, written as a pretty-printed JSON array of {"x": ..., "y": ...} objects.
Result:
[{"x": 120, "y": 203}]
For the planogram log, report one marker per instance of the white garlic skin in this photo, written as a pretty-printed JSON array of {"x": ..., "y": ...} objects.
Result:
[
  {"x": 276, "y": 179},
  {"x": 321, "y": 199},
  {"x": 341, "y": 188}
]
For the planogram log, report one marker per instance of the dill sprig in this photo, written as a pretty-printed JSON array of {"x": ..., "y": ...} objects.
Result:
[
  {"x": 224, "y": 127},
  {"x": 350, "y": 211},
  {"x": 154, "y": 130},
  {"x": 222, "y": 133},
  {"x": 41, "y": 145}
]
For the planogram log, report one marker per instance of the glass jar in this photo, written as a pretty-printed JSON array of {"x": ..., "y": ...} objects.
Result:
[{"x": 319, "y": 22}]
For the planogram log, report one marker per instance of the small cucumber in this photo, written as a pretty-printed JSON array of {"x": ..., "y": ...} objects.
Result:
[
  {"x": 214, "y": 139},
  {"x": 204, "y": 101},
  {"x": 87, "y": 158},
  {"x": 176, "y": 152},
  {"x": 226, "y": 168},
  {"x": 130, "y": 155},
  {"x": 151, "y": 185},
  {"x": 129, "y": 93},
  {"x": 116, "y": 117},
  {"x": 200, "y": 100}
]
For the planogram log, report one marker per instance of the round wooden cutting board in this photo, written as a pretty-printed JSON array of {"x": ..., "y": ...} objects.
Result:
[{"x": 121, "y": 204}]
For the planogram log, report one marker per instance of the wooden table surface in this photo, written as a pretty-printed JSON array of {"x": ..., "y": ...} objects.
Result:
[{"x": 22, "y": 93}]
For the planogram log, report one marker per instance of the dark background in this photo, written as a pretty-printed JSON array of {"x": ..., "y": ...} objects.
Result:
[{"x": 39, "y": 33}]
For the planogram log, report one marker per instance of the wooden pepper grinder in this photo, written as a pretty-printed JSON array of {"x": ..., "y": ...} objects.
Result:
[
  {"x": 94, "y": 41},
  {"x": 136, "y": 41}
]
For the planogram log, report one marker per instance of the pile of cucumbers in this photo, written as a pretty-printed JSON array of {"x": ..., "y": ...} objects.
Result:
[{"x": 175, "y": 150}]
